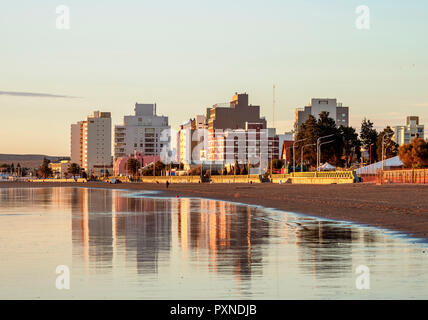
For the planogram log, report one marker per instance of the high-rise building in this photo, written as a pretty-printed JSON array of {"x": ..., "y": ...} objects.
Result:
[
  {"x": 336, "y": 111},
  {"x": 145, "y": 132},
  {"x": 191, "y": 146},
  {"x": 91, "y": 142},
  {"x": 236, "y": 132},
  {"x": 412, "y": 129}
]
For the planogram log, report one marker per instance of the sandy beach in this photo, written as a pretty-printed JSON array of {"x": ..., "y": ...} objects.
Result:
[{"x": 397, "y": 207}]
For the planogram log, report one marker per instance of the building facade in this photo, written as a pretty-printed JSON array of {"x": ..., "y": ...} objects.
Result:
[
  {"x": 237, "y": 132},
  {"x": 336, "y": 111},
  {"x": 191, "y": 143},
  {"x": 143, "y": 132},
  {"x": 91, "y": 142},
  {"x": 412, "y": 129}
]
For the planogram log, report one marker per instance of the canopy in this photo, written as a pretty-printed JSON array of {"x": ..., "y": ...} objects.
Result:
[
  {"x": 371, "y": 169},
  {"x": 327, "y": 167}
]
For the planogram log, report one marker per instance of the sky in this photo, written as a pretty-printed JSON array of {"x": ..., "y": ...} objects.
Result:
[{"x": 188, "y": 55}]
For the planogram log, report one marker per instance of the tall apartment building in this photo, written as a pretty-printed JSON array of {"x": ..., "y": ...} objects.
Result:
[
  {"x": 336, "y": 111},
  {"x": 144, "y": 132},
  {"x": 191, "y": 146},
  {"x": 91, "y": 142},
  {"x": 405, "y": 134},
  {"x": 237, "y": 132}
]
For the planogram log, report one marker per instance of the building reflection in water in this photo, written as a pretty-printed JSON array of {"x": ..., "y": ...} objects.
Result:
[
  {"x": 111, "y": 227},
  {"x": 117, "y": 228}
]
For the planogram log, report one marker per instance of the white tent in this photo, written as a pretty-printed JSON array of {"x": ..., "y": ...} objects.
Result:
[
  {"x": 327, "y": 167},
  {"x": 371, "y": 169}
]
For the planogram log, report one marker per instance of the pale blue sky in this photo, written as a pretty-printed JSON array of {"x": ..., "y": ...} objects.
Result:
[{"x": 187, "y": 55}]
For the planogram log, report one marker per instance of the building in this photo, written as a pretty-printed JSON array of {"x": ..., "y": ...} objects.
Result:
[
  {"x": 143, "y": 132},
  {"x": 120, "y": 163},
  {"x": 412, "y": 129},
  {"x": 191, "y": 143},
  {"x": 91, "y": 142},
  {"x": 236, "y": 132},
  {"x": 336, "y": 111},
  {"x": 60, "y": 169}
]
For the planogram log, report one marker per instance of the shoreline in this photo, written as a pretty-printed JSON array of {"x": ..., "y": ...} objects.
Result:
[{"x": 402, "y": 208}]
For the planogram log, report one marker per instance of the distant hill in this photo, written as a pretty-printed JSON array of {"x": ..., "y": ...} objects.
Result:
[{"x": 28, "y": 160}]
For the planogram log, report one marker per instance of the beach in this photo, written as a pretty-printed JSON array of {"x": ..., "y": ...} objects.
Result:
[{"x": 397, "y": 207}]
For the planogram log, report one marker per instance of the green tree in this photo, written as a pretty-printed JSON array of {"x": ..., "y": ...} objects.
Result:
[
  {"x": 351, "y": 145},
  {"x": 390, "y": 147},
  {"x": 311, "y": 130},
  {"x": 74, "y": 169},
  {"x": 44, "y": 170},
  {"x": 414, "y": 154},
  {"x": 132, "y": 166},
  {"x": 369, "y": 137}
]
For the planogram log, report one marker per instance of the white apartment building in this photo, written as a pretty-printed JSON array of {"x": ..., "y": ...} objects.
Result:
[
  {"x": 191, "y": 143},
  {"x": 405, "y": 134},
  {"x": 143, "y": 132},
  {"x": 91, "y": 142},
  {"x": 335, "y": 109}
]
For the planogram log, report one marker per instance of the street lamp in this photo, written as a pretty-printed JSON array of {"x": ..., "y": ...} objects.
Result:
[
  {"x": 318, "y": 149},
  {"x": 383, "y": 146},
  {"x": 301, "y": 156},
  {"x": 371, "y": 153},
  {"x": 294, "y": 153}
]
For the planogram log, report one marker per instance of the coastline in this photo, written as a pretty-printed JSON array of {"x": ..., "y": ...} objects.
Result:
[{"x": 402, "y": 208}]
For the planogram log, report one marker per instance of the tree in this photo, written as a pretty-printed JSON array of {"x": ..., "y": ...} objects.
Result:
[
  {"x": 390, "y": 147},
  {"x": 132, "y": 166},
  {"x": 74, "y": 169},
  {"x": 351, "y": 145},
  {"x": 369, "y": 137},
  {"x": 244, "y": 170},
  {"x": 44, "y": 170},
  {"x": 311, "y": 130},
  {"x": 308, "y": 130},
  {"x": 236, "y": 168},
  {"x": 414, "y": 154}
]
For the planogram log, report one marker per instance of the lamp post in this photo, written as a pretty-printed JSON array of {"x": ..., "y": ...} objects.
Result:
[
  {"x": 301, "y": 156},
  {"x": 371, "y": 153},
  {"x": 294, "y": 153},
  {"x": 318, "y": 149},
  {"x": 286, "y": 149},
  {"x": 383, "y": 146}
]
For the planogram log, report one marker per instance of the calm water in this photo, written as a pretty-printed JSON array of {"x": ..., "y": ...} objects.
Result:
[{"x": 121, "y": 244}]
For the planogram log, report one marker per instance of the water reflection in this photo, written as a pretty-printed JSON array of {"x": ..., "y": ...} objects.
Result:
[{"x": 197, "y": 248}]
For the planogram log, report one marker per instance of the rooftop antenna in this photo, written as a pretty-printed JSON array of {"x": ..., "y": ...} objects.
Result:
[{"x": 273, "y": 108}]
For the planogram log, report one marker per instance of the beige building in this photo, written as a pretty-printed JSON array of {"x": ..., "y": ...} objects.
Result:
[
  {"x": 191, "y": 146},
  {"x": 60, "y": 168},
  {"x": 91, "y": 142},
  {"x": 335, "y": 109},
  {"x": 237, "y": 132},
  {"x": 143, "y": 132},
  {"x": 412, "y": 129}
]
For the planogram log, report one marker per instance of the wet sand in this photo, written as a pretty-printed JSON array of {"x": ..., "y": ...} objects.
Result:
[{"x": 397, "y": 207}]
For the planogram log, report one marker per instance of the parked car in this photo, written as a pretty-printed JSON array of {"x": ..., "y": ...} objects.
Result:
[{"x": 114, "y": 181}]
